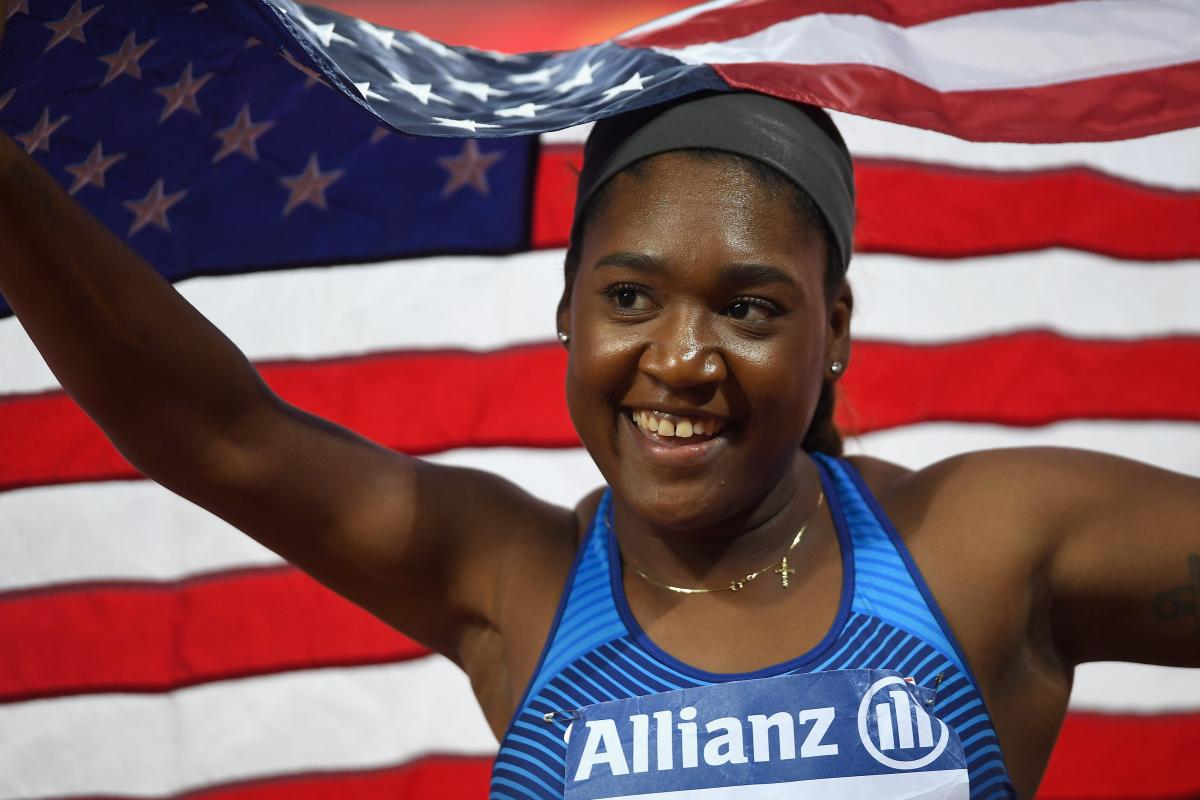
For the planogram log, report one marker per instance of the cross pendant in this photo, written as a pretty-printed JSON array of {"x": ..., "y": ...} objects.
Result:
[{"x": 783, "y": 571}]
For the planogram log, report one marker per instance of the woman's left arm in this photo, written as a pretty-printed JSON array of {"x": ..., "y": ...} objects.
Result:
[{"x": 1124, "y": 570}]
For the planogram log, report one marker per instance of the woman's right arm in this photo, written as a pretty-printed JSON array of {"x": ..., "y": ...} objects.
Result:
[{"x": 181, "y": 402}]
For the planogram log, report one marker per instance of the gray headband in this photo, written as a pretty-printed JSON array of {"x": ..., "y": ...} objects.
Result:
[{"x": 792, "y": 138}]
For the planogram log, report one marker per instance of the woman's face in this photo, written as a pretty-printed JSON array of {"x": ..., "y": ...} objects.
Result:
[{"x": 699, "y": 304}]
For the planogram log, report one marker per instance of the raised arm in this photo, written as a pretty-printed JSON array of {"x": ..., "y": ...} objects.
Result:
[
  {"x": 421, "y": 546},
  {"x": 1125, "y": 569}
]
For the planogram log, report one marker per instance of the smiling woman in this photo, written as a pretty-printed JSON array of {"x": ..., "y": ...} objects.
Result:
[{"x": 741, "y": 611}]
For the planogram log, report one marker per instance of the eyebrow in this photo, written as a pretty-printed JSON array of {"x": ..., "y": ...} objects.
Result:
[{"x": 741, "y": 273}]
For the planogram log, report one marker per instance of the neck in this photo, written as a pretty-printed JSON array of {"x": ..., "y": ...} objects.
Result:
[{"x": 715, "y": 552}]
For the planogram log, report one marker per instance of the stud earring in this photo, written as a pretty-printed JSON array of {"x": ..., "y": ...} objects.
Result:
[
  {"x": 564, "y": 337},
  {"x": 837, "y": 368}
]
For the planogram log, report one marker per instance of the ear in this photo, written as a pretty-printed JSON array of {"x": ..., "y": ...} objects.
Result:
[
  {"x": 562, "y": 318},
  {"x": 841, "y": 308}
]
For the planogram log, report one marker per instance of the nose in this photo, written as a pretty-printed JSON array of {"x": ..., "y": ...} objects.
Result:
[{"x": 684, "y": 350}]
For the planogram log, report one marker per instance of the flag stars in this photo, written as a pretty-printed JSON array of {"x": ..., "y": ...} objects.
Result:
[
  {"x": 634, "y": 84},
  {"x": 385, "y": 36},
  {"x": 422, "y": 91},
  {"x": 152, "y": 209},
  {"x": 4, "y": 98},
  {"x": 71, "y": 26},
  {"x": 19, "y": 7},
  {"x": 309, "y": 186},
  {"x": 469, "y": 168},
  {"x": 312, "y": 76},
  {"x": 183, "y": 94},
  {"x": 526, "y": 110},
  {"x": 466, "y": 124},
  {"x": 480, "y": 91},
  {"x": 379, "y": 134},
  {"x": 326, "y": 34},
  {"x": 437, "y": 47},
  {"x": 364, "y": 89},
  {"x": 583, "y": 77},
  {"x": 242, "y": 136},
  {"x": 540, "y": 77},
  {"x": 39, "y": 137},
  {"x": 91, "y": 171},
  {"x": 124, "y": 61}
]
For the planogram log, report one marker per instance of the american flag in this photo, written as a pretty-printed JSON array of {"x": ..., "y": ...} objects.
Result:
[{"x": 1026, "y": 272}]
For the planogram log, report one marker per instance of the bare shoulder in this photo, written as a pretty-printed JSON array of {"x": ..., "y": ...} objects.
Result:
[{"x": 1011, "y": 496}]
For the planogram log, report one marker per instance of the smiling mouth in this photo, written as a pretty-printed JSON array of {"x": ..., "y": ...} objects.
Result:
[{"x": 660, "y": 426}]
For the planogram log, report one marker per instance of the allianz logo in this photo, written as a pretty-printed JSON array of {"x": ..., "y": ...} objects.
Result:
[
  {"x": 894, "y": 730},
  {"x": 897, "y": 732},
  {"x": 725, "y": 740}
]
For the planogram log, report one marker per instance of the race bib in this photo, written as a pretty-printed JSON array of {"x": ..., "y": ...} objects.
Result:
[{"x": 861, "y": 734}]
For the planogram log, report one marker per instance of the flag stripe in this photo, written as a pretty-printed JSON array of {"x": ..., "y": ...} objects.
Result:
[
  {"x": 454, "y": 400},
  {"x": 428, "y": 778},
  {"x": 138, "y": 531},
  {"x": 973, "y": 52},
  {"x": 954, "y": 212},
  {"x": 420, "y": 305},
  {"x": 153, "y": 637},
  {"x": 709, "y": 22},
  {"x": 1093, "y": 110},
  {"x": 295, "y": 722},
  {"x": 1102, "y": 757},
  {"x": 1169, "y": 160}
]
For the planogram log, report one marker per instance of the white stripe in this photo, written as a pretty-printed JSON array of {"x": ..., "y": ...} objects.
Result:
[
  {"x": 1077, "y": 294},
  {"x": 676, "y": 18},
  {"x": 299, "y": 722},
  {"x": 417, "y": 304},
  {"x": 1004, "y": 49},
  {"x": 1168, "y": 160},
  {"x": 1118, "y": 688},
  {"x": 135, "y": 530},
  {"x": 1170, "y": 445}
]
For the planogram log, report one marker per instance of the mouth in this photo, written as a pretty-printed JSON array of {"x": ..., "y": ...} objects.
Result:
[
  {"x": 661, "y": 426},
  {"x": 676, "y": 440}
]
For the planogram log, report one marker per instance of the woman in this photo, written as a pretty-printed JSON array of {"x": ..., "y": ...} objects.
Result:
[{"x": 707, "y": 319}]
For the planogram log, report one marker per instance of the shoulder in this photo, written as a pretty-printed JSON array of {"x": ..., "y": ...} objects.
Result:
[{"x": 1029, "y": 493}]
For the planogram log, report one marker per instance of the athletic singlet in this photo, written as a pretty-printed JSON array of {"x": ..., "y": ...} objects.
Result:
[{"x": 887, "y": 620}]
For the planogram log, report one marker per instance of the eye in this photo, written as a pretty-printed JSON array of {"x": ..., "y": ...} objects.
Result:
[
  {"x": 628, "y": 297},
  {"x": 751, "y": 309}
]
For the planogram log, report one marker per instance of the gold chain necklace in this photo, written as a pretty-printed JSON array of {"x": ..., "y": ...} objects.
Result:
[{"x": 781, "y": 567}]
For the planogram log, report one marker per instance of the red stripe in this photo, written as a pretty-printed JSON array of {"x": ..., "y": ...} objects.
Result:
[
  {"x": 949, "y": 212},
  {"x": 430, "y": 778},
  {"x": 1025, "y": 379},
  {"x": 1110, "y": 108},
  {"x": 156, "y": 637},
  {"x": 745, "y": 18},
  {"x": 452, "y": 399},
  {"x": 1125, "y": 757}
]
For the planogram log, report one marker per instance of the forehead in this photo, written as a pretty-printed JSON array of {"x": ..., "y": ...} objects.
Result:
[{"x": 686, "y": 201}]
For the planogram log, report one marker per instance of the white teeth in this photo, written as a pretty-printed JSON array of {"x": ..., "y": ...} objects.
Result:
[{"x": 682, "y": 427}]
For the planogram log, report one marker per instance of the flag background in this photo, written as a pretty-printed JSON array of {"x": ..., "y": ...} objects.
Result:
[{"x": 1008, "y": 294}]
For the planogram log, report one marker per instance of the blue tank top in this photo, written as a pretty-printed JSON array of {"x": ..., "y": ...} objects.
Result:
[{"x": 887, "y": 620}]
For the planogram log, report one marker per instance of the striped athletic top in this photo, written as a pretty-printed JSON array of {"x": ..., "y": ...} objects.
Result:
[{"x": 887, "y": 619}]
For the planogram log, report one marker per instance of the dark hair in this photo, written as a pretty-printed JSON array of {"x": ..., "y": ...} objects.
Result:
[{"x": 823, "y": 435}]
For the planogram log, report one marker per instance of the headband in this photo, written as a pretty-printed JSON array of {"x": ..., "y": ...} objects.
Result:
[{"x": 799, "y": 141}]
